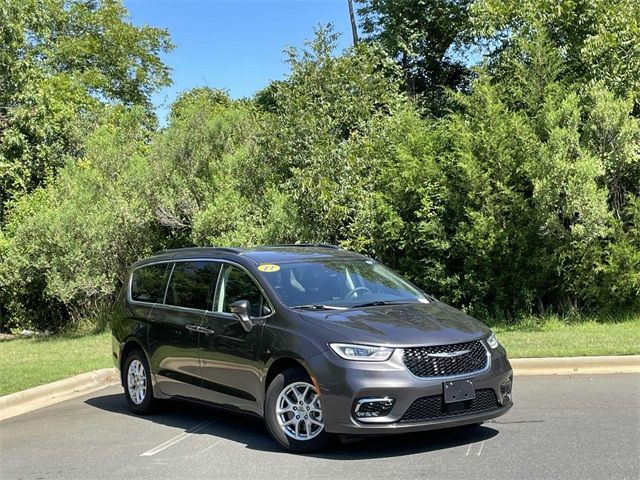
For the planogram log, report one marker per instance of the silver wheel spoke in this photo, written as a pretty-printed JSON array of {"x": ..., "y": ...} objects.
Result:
[
  {"x": 137, "y": 382},
  {"x": 299, "y": 412}
]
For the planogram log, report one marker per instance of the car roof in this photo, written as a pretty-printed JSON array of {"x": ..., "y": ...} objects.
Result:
[
  {"x": 259, "y": 255},
  {"x": 297, "y": 253}
]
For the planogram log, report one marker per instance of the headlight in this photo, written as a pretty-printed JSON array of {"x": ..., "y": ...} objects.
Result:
[
  {"x": 492, "y": 341},
  {"x": 365, "y": 353}
]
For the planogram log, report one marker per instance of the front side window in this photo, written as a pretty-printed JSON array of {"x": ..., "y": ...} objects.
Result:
[
  {"x": 235, "y": 284},
  {"x": 148, "y": 283},
  {"x": 192, "y": 284}
]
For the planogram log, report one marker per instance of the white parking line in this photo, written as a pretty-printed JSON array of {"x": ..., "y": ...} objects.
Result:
[
  {"x": 176, "y": 439},
  {"x": 469, "y": 449},
  {"x": 210, "y": 446},
  {"x": 473, "y": 442}
]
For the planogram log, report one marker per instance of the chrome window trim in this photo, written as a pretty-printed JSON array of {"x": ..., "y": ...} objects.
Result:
[{"x": 176, "y": 260}]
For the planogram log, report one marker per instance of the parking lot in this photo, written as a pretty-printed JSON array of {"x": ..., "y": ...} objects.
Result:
[{"x": 561, "y": 427}]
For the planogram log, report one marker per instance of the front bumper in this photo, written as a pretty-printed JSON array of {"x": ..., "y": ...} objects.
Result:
[{"x": 344, "y": 382}]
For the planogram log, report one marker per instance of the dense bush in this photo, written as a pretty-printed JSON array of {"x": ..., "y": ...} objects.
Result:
[
  {"x": 522, "y": 195},
  {"x": 67, "y": 245}
]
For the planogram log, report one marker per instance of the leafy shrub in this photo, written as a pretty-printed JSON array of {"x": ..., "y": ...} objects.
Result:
[{"x": 523, "y": 198}]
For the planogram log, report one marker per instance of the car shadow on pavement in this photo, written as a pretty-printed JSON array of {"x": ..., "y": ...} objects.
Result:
[{"x": 251, "y": 431}]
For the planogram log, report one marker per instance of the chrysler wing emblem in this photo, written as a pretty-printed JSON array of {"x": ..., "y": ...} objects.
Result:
[{"x": 448, "y": 354}]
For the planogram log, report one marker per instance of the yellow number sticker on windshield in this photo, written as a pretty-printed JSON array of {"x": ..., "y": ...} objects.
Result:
[{"x": 268, "y": 267}]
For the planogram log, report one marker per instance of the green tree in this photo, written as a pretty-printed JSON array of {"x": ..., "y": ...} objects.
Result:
[
  {"x": 66, "y": 246},
  {"x": 326, "y": 104},
  {"x": 204, "y": 170},
  {"x": 534, "y": 210},
  {"x": 61, "y": 62},
  {"x": 421, "y": 36},
  {"x": 596, "y": 41}
]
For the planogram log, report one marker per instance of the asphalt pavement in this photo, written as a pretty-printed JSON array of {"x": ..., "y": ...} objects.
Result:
[{"x": 561, "y": 427}]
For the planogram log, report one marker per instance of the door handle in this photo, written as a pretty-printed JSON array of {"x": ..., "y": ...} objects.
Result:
[{"x": 199, "y": 329}]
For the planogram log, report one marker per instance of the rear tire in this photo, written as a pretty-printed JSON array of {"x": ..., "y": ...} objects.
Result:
[
  {"x": 137, "y": 383},
  {"x": 293, "y": 413}
]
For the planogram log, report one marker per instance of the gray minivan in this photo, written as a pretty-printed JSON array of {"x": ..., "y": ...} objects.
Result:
[{"x": 316, "y": 340}]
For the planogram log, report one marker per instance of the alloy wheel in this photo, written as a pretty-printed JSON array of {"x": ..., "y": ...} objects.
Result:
[
  {"x": 299, "y": 412},
  {"x": 137, "y": 381}
]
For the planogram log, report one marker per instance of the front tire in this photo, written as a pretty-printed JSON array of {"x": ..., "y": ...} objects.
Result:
[
  {"x": 137, "y": 383},
  {"x": 293, "y": 413}
]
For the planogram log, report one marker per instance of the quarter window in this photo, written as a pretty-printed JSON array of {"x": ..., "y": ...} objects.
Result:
[
  {"x": 236, "y": 285},
  {"x": 148, "y": 283},
  {"x": 192, "y": 284}
]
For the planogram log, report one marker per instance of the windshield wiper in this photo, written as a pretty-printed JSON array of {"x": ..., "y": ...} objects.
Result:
[
  {"x": 378, "y": 303},
  {"x": 318, "y": 307}
]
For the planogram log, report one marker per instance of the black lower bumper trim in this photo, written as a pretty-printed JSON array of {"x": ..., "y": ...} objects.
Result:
[{"x": 433, "y": 407}]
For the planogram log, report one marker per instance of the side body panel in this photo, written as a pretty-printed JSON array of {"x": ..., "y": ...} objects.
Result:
[
  {"x": 173, "y": 350},
  {"x": 231, "y": 367},
  {"x": 129, "y": 323}
]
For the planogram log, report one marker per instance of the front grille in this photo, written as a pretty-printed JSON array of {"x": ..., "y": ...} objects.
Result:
[
  {"x": 433, "y": 407},
  {"x": 424, "y": 362}
]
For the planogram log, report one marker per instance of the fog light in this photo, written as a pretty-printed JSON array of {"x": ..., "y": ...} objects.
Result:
[
  {"x": 505, "y": 390},
  {"x": 373, "y": 407}
]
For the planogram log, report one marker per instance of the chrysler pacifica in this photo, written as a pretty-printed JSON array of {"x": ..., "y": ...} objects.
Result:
[{"x": 316, "y": 340}]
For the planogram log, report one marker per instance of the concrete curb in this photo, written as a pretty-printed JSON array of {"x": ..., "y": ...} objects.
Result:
[
  {"x": 576, "y": 365},
  {"x": 51, "y": 393},
  {"x": 45, "y": 395}
]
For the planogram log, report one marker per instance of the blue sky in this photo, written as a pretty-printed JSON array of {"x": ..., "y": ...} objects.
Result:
[{"x": 235, "y": 45}]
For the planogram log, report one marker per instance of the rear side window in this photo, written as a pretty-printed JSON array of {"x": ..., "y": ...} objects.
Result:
[
  {"x": 148, "y": 283},
  {"x": 236, "y": 285},
  {"x": 192, "y": 285}
]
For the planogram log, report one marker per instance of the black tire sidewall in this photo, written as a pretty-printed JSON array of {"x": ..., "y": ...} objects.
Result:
[
  {"x": 322, "y": 441},
  {"x": 147, "y": 403}
]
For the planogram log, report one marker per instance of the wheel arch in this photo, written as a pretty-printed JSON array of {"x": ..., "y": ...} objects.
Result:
[
  {"x": 283, "y": 363},
  {"x": 129, "y": 345}
]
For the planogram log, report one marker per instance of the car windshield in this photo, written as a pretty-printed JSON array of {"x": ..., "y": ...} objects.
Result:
[{"x": 321, "y": 284}]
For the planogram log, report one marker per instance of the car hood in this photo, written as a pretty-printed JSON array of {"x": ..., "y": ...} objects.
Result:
[{"x": 402, "y": 325}]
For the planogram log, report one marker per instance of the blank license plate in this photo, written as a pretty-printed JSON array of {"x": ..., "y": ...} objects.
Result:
[{"x": 459, "y": 391}]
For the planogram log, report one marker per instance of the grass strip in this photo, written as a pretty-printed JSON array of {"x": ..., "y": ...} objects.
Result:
[{"x": 29, "y": 362}]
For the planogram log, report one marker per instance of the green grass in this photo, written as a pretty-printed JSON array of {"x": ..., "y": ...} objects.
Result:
[
  {"x": 553, "y": 337},
  {"x": 28, "y": 362}
]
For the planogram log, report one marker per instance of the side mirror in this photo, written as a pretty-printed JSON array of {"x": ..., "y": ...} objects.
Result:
[{"x": 240, "y": 309}]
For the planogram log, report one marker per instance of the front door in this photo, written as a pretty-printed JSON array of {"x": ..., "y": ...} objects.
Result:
[
  {"x": 229, "y": 355},
  {"x": 175, "y": 325}
]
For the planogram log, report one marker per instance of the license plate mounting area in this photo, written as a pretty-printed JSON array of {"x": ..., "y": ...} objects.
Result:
[{"x": 459, "y": 390}]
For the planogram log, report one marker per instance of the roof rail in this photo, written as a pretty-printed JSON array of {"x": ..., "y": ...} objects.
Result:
[
  {"x": 317, "y": 245},
  {"x": 226, "y": 249},
  {"x": 176, "y": 250}
]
